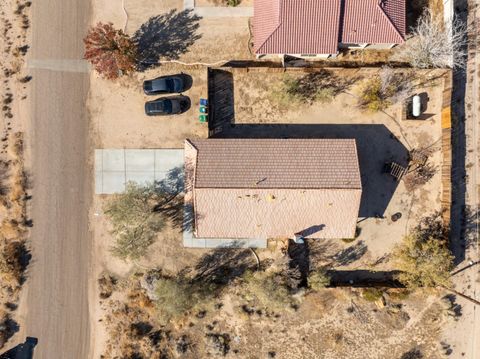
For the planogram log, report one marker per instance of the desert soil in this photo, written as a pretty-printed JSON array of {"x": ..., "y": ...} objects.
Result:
[{"x": 14, "y": 45}]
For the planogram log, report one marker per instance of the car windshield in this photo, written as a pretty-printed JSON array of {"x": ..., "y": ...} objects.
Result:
[
  {"x": 164, "y": 106},
  {"x": 162, "y": 85}
]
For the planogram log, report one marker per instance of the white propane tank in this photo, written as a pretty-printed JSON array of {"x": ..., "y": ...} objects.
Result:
[{"x": 416, "y": 106}]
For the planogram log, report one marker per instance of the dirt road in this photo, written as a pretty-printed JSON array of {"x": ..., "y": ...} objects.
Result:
[{"x": 57, "y": 288}]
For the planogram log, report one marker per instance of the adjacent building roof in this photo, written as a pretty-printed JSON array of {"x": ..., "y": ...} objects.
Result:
[
  {"x": 266, "y": 188},
  {"x": 318, "y": 26}
]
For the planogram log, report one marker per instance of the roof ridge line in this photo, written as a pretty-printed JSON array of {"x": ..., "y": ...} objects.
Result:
[{"x": 379, "y": 2}]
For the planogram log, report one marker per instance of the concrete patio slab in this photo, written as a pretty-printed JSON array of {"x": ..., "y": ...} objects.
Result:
[
  {"x": 113, "y": 160},
  {"x": 115, "y": 167},
  {"x": 140, "y": 161}
]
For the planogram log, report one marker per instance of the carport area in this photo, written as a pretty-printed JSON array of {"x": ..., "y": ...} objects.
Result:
[{"x": 114, "y": 168}]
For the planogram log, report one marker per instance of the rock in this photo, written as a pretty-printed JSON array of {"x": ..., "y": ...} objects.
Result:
[
  {"x": 219, "y": 343},
  {"x": 148, "y": 283}
]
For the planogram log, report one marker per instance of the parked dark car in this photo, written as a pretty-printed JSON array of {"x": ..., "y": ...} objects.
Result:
[
  {"x": 167, "y": 84},
  {"x": 170, "y": 105}
]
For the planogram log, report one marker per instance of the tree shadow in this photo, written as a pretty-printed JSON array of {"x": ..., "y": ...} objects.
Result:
[
  {"x": 350, "y": 254},
  {"x": 299, "y": 264},
  {"x": 21, "y": 351},
  {"x": 172, "y": 205},
  {"x": 222, "y": 265},
  {"x": 166, "y": 36},
  {"x": 455, "y": 308}
]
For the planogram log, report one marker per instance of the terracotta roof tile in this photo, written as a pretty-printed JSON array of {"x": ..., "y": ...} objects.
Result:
[
  {"x": 296, "y": 26},
  {"x": 366, "y": 21},
  {"x": 277, "y": 163}
]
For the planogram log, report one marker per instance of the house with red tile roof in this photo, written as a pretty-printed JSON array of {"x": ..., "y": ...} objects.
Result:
[
  {"x": 273, "y": 188},
  {"x": 319, "y": 28}
]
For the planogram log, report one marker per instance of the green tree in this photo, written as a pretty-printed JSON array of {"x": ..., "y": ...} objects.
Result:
[
  {"x": 424, "y": 260},
  {"x": 136, "y": 216}
]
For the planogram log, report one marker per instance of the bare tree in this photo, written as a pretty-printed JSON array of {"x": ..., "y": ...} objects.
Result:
[{"x": 436, "y": 44}]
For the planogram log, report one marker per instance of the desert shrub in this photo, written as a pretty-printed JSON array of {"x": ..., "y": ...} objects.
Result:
[
  {"x": 14, "y": 259},
  {"x": 320, "y": 86},
  {"x": 384, "y": 89},
  {"x": 372, "y": 294},
  {"x": 268, "y": 290},
  {"x": 106, "y": 284},
  {"x": 232, "y": 2},
  {"x": 111, "y": 52},
  {"x": 136, "y": 218},
  {"x": 423, "y": 256},
  {"x": 177, "y": 296},
  {"x": 399, "y": 294},
  {"x": 7, "y": 328},
  {"x": 318, "y": 279}
]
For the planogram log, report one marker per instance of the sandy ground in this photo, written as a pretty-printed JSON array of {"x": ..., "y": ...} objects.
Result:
[
  {"x": 14, "y": 24},
  {"x": 119, "y": 121},
  {"x": 332, "y": 323}
]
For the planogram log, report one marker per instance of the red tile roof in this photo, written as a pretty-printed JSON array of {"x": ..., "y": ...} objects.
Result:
[
  {"x": 269, "y": 188},
  {"x": 296, "y": 26},
  {"x": 368, "y": 21},
  {"x": 316, "y": 26}
]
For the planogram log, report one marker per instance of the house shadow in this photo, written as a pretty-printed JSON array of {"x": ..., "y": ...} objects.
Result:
[
  {"x": 364, "y": 278},
  {"x": 166, "y": 36},
  {"x": 21, "y": 351}
]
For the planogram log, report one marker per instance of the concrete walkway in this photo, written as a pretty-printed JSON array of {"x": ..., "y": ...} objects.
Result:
[
  {"x": 218, "y": 11},
  {"x": 223, "y": 11}
]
